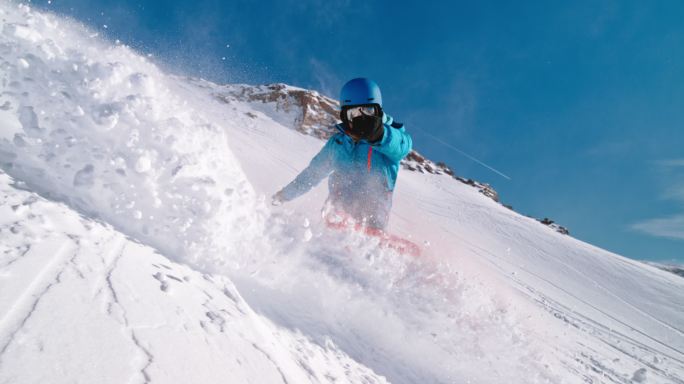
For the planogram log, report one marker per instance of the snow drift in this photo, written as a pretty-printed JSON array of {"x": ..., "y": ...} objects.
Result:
[{"x": 184, "y": 166}]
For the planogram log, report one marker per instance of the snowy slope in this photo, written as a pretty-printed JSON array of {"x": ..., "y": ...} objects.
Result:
[
  {"x": 619, "y": 319},
  {"x": 83, "y": 303},
  {"x": 179, "y": 271}
]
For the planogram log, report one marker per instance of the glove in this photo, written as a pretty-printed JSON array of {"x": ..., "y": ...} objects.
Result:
[
  {"x": 277, "y": 199},
  {"x": 369, "y": 128}
]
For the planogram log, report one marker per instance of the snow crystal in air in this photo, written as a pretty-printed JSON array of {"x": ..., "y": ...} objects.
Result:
[{"x": 143, "y": 164}]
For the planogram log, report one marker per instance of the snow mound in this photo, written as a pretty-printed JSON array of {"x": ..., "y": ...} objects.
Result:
[{"x": 98, "y": 126}]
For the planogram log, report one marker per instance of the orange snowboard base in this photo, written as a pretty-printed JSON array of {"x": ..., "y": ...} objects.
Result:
[{"x": 387, "y": 240}]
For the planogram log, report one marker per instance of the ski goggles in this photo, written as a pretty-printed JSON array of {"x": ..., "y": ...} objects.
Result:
[{"x": 362, "y": 110}]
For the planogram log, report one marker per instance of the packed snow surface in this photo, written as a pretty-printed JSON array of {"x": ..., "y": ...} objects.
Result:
[{"x": 138, "y": 245}]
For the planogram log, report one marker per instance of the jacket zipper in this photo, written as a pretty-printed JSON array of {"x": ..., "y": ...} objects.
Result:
[{"x": 370, "y": 155}]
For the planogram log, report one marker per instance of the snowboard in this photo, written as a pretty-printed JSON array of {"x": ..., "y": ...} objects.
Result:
[{"x": 341, "y": 222}]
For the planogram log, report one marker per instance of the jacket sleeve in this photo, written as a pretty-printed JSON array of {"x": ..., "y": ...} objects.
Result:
[
  {"x": 395, "y": 143},
  {"x": 318, "y": 169}
]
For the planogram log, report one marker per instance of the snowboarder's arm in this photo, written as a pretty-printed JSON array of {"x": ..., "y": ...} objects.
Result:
[
  {"x": 318, "y": 169},
  {"x": 395, "y": 143}
]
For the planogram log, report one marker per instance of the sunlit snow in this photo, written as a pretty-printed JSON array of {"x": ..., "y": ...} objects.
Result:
[{"x": 138, "y": 245}]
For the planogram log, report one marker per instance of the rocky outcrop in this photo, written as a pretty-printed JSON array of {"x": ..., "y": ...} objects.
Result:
[
  {"x": 550, "y": 223},
  {"x": 676, "y": 269},
  {"x": 313, "y": 114}
]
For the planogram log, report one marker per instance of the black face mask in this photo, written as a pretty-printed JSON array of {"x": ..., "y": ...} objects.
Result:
[{"x": 367, "y": 128}]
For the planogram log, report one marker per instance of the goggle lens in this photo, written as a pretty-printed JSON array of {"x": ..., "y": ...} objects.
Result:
[{"x": 360, "y": 111}]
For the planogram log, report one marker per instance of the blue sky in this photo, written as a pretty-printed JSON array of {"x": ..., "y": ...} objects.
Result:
[{"x": 581, "y": 103}]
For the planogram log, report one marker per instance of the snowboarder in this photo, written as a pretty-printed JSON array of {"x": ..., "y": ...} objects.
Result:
[{"x": 361, "y": 161}]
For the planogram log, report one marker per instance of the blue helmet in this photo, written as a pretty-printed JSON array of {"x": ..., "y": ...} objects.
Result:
[{"x": 360, "y": 91}]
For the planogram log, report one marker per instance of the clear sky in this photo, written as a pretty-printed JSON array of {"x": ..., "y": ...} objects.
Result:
[{"x": 581, "y": 103}]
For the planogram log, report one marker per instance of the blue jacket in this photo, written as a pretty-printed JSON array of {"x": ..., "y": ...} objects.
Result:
[{"x": 361, "y": 176}]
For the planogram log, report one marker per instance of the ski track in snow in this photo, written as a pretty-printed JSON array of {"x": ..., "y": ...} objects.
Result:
[
  {"x": 242, "y": 293},
  {"x": 28, "y": 298}
]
